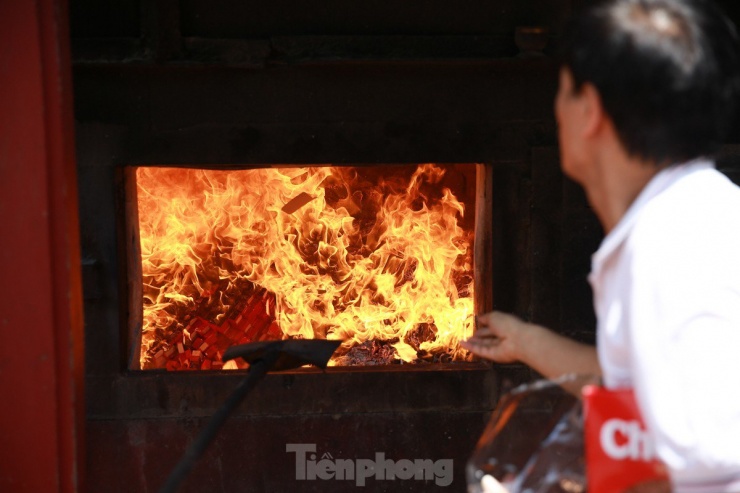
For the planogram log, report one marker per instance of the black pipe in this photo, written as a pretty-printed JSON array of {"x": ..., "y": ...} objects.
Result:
[{"x": 257, "y": 371}]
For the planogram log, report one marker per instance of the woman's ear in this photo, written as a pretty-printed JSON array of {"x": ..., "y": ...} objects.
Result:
[{"x": 593, "y": 114}]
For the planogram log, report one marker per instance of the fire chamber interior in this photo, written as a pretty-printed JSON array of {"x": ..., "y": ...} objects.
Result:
[{"x": 380, "y": 257}]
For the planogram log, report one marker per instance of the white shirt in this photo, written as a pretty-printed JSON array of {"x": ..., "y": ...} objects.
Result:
[{"x": 666, "y": 284}]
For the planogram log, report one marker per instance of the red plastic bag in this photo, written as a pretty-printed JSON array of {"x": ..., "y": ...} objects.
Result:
[{"x": 619, "y": 452}]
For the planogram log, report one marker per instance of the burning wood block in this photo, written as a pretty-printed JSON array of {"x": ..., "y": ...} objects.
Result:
[
  {"x": 264, "y": 332},
  {"x": 257, "y": 310},
  {"x": 246, "y": 309},
  {"x": 258, "y": 330},
  {"x": 275, "y": 329},
  {"x": 273, "y": 333},
  {"x": 196, "y": 325},
  {"x": 159, "y": 358},
  {"x": 297, "y": 202},
  {"x": 184, "y": 357},
  {"x": 227, "y": 325},
  {"x": 206, "y": 365},
  {"x": 233, "y": 333},
  {"x": 197, "y": 343},
  {"x": 222, "y": 344},
  {"x": 212, "y": 339}
]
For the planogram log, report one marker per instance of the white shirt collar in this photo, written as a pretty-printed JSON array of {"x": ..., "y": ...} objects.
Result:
[{"x": 660, "y": 182}]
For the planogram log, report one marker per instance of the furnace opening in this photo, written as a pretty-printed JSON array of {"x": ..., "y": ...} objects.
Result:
[{"x": 380, "y": 257}]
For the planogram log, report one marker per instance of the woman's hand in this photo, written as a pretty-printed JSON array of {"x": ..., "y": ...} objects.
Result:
[
  {"x": 499, "y": 337},
  {"x": 505, "y": 338}
]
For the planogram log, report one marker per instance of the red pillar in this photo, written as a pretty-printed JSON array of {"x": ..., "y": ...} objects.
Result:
[{"x": 41, "y": 329}]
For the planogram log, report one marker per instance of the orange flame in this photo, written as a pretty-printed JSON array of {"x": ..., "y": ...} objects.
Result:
[{"x": 345, "y": 258}]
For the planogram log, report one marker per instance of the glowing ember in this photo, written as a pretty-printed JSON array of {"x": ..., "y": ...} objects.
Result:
[{"x": 378, "y": 259}]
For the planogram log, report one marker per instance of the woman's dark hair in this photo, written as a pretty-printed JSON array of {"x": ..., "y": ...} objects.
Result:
[{"x": 667, "y": 71}]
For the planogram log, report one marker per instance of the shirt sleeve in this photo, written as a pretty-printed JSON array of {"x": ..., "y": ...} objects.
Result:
[{"x": 683, "y": 313}]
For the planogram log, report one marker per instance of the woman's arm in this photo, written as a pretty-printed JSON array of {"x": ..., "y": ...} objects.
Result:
[{"x": 505, "y": 338}]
